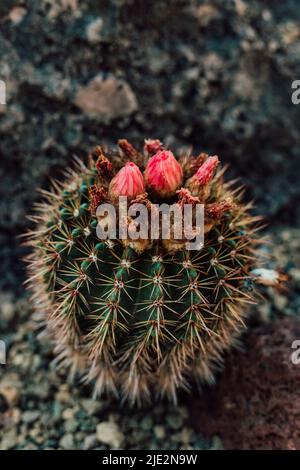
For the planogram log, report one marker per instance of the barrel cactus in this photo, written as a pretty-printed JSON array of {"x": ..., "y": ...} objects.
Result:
[{"x": 140, "y": 318}]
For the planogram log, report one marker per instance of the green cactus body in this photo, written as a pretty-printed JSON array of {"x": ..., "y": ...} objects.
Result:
[{"x": 145, "y": 322}]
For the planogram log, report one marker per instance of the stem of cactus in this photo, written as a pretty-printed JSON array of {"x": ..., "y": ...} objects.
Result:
[{"x": 138, "y": 320}]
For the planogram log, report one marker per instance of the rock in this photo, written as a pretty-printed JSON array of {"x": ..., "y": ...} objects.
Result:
[
  {"x": 68, "y": 413},
  {"x": 206, "y": 14},
  {"x": 92, "y": 407},
  {"x": 217, "y": 444},
  {"x": 7, "y": 308},
  {"x": 295, "y": 274},
  {"x": 67, "y": 442},
  {"x": 71, "y": 425},
  {"x": 10, "y": 389},
  {"x": 90, "y": 442},
  {"x": 93, "y": 30},
  {"x": 186, "y": 435},
  {"x": 109, "y": 433},
  {"x": 146, "y": 423},
  {"x": 263, "y": 312},
  {"x": 30, "y": 446},
  {"x": 17, "y": 14},
  {"x": 106, "y": 99},
  {"x": 16, "y": 415},
  {"x": 63, "y": 396},
  {"x": 9, "y": 440},
  {"x": 280, "y": 302},
  {"x": 30, "y": 416},
  {"x": 159, "y": 432}
]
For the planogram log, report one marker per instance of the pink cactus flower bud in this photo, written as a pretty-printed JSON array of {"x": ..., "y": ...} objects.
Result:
[
  {"x": 199, "y": 183},
  {"x": 163, "y": 174},
  {"x": 206, "y": 171},
  {"x": 152, "y": 146},
  {"x": 128, "y": 182}
]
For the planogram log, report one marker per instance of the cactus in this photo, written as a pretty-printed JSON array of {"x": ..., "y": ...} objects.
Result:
[{"x": 139, "y": 318}]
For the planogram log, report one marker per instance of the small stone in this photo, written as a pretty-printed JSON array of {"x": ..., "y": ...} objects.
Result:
[
  {"x": 90, "y": 442},
  {"x": 9, "y": 441},
  {"x": 264, "y": 312},
  {"x": 63, "y": 396},
  {"x": 217, "y": 444},
  {"x": 92, "y": 407},
  {"x": 206, "y": 14},
  {"x": 110, "y": 434},
  {"x": 175, "y": 421},
  {"x": 16, "y": 415},
  {"x": 68, "y": 413},
  {"x": 67, "y": 442},
  {"x": 146, "y": 423},
  {"x": 93, "y": 30},
  {"x": 106, "y": 99},
  {"x": 30, "y": 416},
  {"x": 17, "y": 14},
  {"x": 30, "y": 446},
  {"x": 176, "y": 437},
  {"x": 241, "y": 7},
  {"x": 280, "y": 302},
  {"x": 186, "y": 435},
  {"x": 7, "y": 310},
  {"x": 10, "y": 392},
  {"x": 71, "y": 425},
  {"x": 295, "y": 274},
  {"x": 159, "y": 432}
]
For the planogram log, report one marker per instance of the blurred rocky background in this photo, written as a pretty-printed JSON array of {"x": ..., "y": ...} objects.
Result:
[{"x": 215, "y": 75}]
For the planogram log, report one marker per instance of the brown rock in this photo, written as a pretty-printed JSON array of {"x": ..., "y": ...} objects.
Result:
[{"x": 106, "y": 99}]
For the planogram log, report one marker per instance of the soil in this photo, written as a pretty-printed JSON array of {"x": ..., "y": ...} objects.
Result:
[{"x": 256, "y": 404}]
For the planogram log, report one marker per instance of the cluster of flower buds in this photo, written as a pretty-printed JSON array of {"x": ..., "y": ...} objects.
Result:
[
  {"x": 163, "y": 174},
  {"x": 188, "y": 181}
]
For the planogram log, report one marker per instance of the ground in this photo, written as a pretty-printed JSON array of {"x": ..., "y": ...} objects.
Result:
[{"x": 215, "y": 75}]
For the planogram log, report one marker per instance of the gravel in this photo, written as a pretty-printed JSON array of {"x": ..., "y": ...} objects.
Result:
[{"x": 41, "y": 409}]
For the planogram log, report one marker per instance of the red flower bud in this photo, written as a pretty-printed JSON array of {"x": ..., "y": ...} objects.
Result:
[
  {"x": 206, "y": 171},
  {"x": 199, "y": 183},
  {"x": 128, "y": 182},
  {"x": 163, "y": 174}
]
